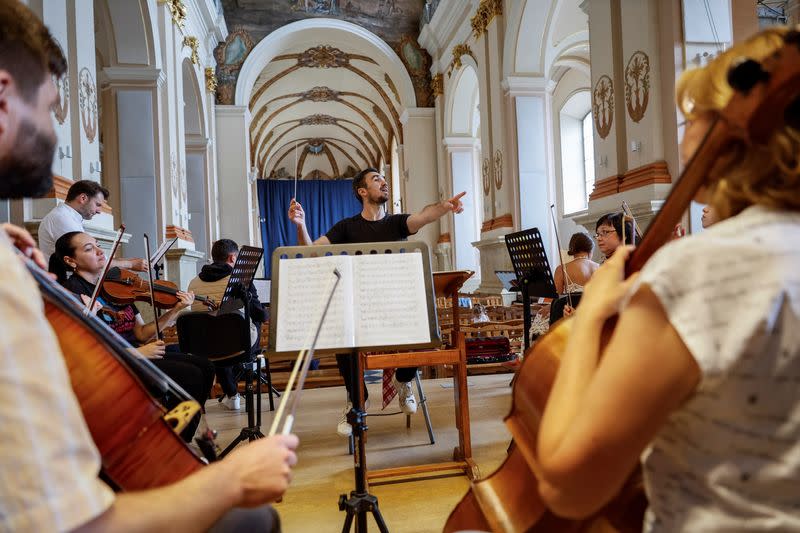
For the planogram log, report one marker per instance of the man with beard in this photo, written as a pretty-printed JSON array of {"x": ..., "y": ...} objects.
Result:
[
  {"x": 47, "y": 448},
  {"x": 85, "y": 199},
  {"x": 374, "y": 224}
]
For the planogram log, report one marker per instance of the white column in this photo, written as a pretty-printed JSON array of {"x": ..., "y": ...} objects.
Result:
[
  {"x": 236, "y": 202},
  {"x": 462, "y": 153},
  {"x": 419, "y": 132}
]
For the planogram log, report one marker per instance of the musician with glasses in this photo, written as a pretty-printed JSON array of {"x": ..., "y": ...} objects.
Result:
[
  {"x": 48, "y": 458},
  {"x": 609, "y": 231}
]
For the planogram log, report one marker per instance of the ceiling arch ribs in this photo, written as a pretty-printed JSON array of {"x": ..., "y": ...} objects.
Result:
[
  {"x": 304, "y": 155},
  {"x": 289, "y": 147}
]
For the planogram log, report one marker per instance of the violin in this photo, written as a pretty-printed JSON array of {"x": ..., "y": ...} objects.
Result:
[
  {"x": 766, "y": 96},
  {"x": 125, "y": 287}
]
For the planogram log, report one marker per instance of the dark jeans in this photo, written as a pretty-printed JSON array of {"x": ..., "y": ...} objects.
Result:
[
  {"x": 193, "y": 374},
  {"x": 345, "y": 361},
  {"x": 259, "y": 519}
]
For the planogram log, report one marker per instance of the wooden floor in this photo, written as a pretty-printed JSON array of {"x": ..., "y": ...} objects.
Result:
[{"x": 325, "y": 470}]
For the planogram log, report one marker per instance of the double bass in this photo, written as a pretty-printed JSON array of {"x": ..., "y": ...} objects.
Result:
[{"x": 766, "y": 96}]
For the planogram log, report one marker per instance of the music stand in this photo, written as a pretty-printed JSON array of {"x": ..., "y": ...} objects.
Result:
[
  {"x": 360, "y": 501},
  {"x": 244, "y": 270},
  {"x": 534, "y": 276},
  {"x": 158, "y": 255}
]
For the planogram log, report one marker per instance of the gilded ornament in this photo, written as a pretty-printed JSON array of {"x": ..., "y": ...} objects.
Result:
[
  {"x": 192, "y": 43},
  {"x": 178, "y": 11},
  {"x": 487, "y": 10},
  {"x": 211, "y": 80},
  {"x": 437, "y": 85},
  {"x": 61, "y": 107},
  {"x": 603, "y": 105},
  {"x": 317, "y": 120},
  {"x": 323, "y": 56},
  {"x": 637, "y": 85},
  {"x": 458, "y": 51},
  {"x": 320, "y": 94}
]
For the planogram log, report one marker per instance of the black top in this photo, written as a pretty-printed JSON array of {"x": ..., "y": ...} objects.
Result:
[
  {"x": 126, "y": 317},
  {"x": 357, "y": 229}
]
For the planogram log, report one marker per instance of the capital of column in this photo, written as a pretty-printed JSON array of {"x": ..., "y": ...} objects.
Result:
[
  {"x": 131, "y": 77},
  {"x": 461, "y": 144},
  {"x": 527, "y": 86},
  {"x": 416, "y": 112}
]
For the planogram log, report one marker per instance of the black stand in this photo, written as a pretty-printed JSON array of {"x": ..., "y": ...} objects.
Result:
[
  {"x": 534, "y": 276},
  {"x": 236, "y": 294},
  {"x": 360, "y": 501}
]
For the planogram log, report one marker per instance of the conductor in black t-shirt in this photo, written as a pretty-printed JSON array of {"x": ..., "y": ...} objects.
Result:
[{"x": 374, "y": 224}]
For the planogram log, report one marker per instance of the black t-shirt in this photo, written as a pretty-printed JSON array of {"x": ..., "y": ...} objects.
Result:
[
  {"x": 357, "y": 229},
  {"x": 126, "y": 314}
]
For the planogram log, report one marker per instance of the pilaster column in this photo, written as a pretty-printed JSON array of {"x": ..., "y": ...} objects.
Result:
[
  {"x": 236, "y": 200},
  {"x": 419, "y": 132}
]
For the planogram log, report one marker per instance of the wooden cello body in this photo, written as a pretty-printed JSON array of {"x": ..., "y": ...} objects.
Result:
[
  {"x": 137, "y": 443},
  {"x": 767, "y": 95}
]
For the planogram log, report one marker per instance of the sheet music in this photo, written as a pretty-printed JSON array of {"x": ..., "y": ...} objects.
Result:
[
  {"x": 390, "y": 303},
  {"x": 303, "y": 285},
  {"x": 263, "y": 288},
  {"x": 159, "y": 253}
]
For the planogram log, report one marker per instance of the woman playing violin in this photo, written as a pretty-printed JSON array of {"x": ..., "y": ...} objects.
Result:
[
  {"x": 77, "y": 252},
  {"x": 699, "y": 379}
]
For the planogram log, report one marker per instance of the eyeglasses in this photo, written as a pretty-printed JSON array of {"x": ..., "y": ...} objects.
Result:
[{"x": 605, "y": 233}]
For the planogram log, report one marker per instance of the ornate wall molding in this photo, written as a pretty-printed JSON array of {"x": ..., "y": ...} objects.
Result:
[
  {"x": 192, "y": 43},
  {"x": 458, "y": 51},
  {"x": 487, "y": 10},
  {"x": 487, "y": 181},
  {"x": 177, "y": 231},
  {"x": 503, "y": 221},
  {"x": 603, "y": 105},
  {"x": 654, "y": 173},
  {"x": 498, "y": 169},
  {"x": 437, "y": 85},
  {"x": 178, "y": 11},
  {"x": 87, "y": 103},
  {"x": 61, "y": 107},
  {"x": 211, "y": 80},
  {"x": 637, "y": 85}
]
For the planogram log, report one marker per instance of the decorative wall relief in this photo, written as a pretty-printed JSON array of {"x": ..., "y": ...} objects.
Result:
[
  {"x": 192, "y": 43},
  {"x": 211, "y": 80},
  {"x": 61, "y": 107},
  {"x": 87, "y": 103},
  {"x": 178, "y": 11},
  {"x": 487, "y": 10},
  {"x": 603, "y": 105},
  {"x": 174, "y": 180},
  {"x": 230, "y": 56},
  {"x": 637, "y": 85},
  {"x": 498, "y": 169},
  {"x": 458, "y": 51},
  {"x": 487, "y": 181},
  {"x": 437, "y": 85}
]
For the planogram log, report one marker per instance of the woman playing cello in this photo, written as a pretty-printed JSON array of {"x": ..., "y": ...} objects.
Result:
[{"x": 699, "y": 378}]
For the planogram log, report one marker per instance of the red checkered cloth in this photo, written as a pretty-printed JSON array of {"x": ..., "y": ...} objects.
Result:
[{"x": 389, "y": 390}]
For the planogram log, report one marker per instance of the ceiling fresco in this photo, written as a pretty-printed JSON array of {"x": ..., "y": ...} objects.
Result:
[{"x": 389, "y": 19}]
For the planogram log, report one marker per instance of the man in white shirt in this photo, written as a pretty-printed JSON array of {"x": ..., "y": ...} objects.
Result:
[
  {"x": 49, "y": 463},
  {"x": 85, "y": 199}
]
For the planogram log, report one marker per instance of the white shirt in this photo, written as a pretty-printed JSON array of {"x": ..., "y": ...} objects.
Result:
[
  {"x": 729, "y": 458},
  {"x": 60, "y": 220},
  {"x": 48, "y": 461}
]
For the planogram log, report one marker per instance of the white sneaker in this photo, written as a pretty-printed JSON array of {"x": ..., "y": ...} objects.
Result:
[
  {"x": 343, "y": 428},
  {"x": 408, "y": 404},
  {"x": 233, "y": 403}
]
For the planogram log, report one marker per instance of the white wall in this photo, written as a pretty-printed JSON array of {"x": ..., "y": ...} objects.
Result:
[
  {"x": 196, "y": 200},
  {"x": 533, "y": 186},
  {"x": 465, "y": 224}
]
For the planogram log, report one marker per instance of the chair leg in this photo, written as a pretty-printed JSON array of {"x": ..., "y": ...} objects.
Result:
[
  {"x": 258, "y": 391},
  {"x": 424, "y": 402},
  {"x": 269, "y": 384}
]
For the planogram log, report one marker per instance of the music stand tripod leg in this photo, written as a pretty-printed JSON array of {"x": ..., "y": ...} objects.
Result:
[{"x": 360, "y": 501}]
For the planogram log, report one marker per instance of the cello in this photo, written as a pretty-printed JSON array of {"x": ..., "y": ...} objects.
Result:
[
  {"x": 116, "y": 389},
  {"x": 766, "y": 95}
]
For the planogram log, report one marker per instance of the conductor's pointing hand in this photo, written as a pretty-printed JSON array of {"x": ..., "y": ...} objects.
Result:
[
  {"x": 454, "y": 204},
  {"x": 296, "y": 213}
]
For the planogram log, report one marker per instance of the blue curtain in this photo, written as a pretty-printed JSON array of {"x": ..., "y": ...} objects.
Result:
[{"x": 325, "y": 202}]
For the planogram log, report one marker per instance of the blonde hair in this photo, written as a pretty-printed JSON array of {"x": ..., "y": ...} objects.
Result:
[{"x": 767, "y": 174}]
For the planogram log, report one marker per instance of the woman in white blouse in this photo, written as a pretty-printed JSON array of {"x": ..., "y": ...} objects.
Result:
[{"x": 700, "y": 379}]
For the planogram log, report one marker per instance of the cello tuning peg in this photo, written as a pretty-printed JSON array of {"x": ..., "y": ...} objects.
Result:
[{"x": 746, "y": 74}]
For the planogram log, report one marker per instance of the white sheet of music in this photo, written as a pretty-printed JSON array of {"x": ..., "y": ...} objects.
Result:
[
  {"x": 390, "y": 303},
  {"x": 380, "y": 301},
  {"x": 303, "y": 287}
]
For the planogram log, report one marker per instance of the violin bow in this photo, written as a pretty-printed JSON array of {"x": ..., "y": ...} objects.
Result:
[
  {"x": 302, "y": 364},
  {"x": 150, "y": 278},
  {"x": 628, "y": 214},
  {"x": 560, "y": 259},
  {"x": 96, "y": 292}
]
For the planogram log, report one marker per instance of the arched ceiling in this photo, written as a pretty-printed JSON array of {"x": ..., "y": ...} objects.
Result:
[{"x": 328, "y": 107}]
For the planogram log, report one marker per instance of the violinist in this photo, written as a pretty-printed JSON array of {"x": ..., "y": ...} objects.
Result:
[
  {"x": 78, "y": 253},
  {"x": 699, "y": 379},
  {"x": 47, "y": 447},
  {"x": 609, "y": 230}
]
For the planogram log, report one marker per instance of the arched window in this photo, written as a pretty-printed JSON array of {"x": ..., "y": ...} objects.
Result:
[{"x": 577, "y": 153}]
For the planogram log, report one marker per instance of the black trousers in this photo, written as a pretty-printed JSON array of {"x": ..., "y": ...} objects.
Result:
[
  {"x": 193, "y": 374},
  {"x": 259, "y": 519},
  {"x": 345, "y": 362}
]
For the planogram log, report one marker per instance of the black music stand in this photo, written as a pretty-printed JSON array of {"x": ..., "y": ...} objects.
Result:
[
  {"x": 359, "y": 502},
  {"x": 158, "y": 255},
  {"x": 534, "y": 276}
]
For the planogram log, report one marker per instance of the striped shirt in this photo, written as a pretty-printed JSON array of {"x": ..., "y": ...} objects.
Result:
[
  {"x": 729, "y": 458},
  {"x": 48, "y": 478}
]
